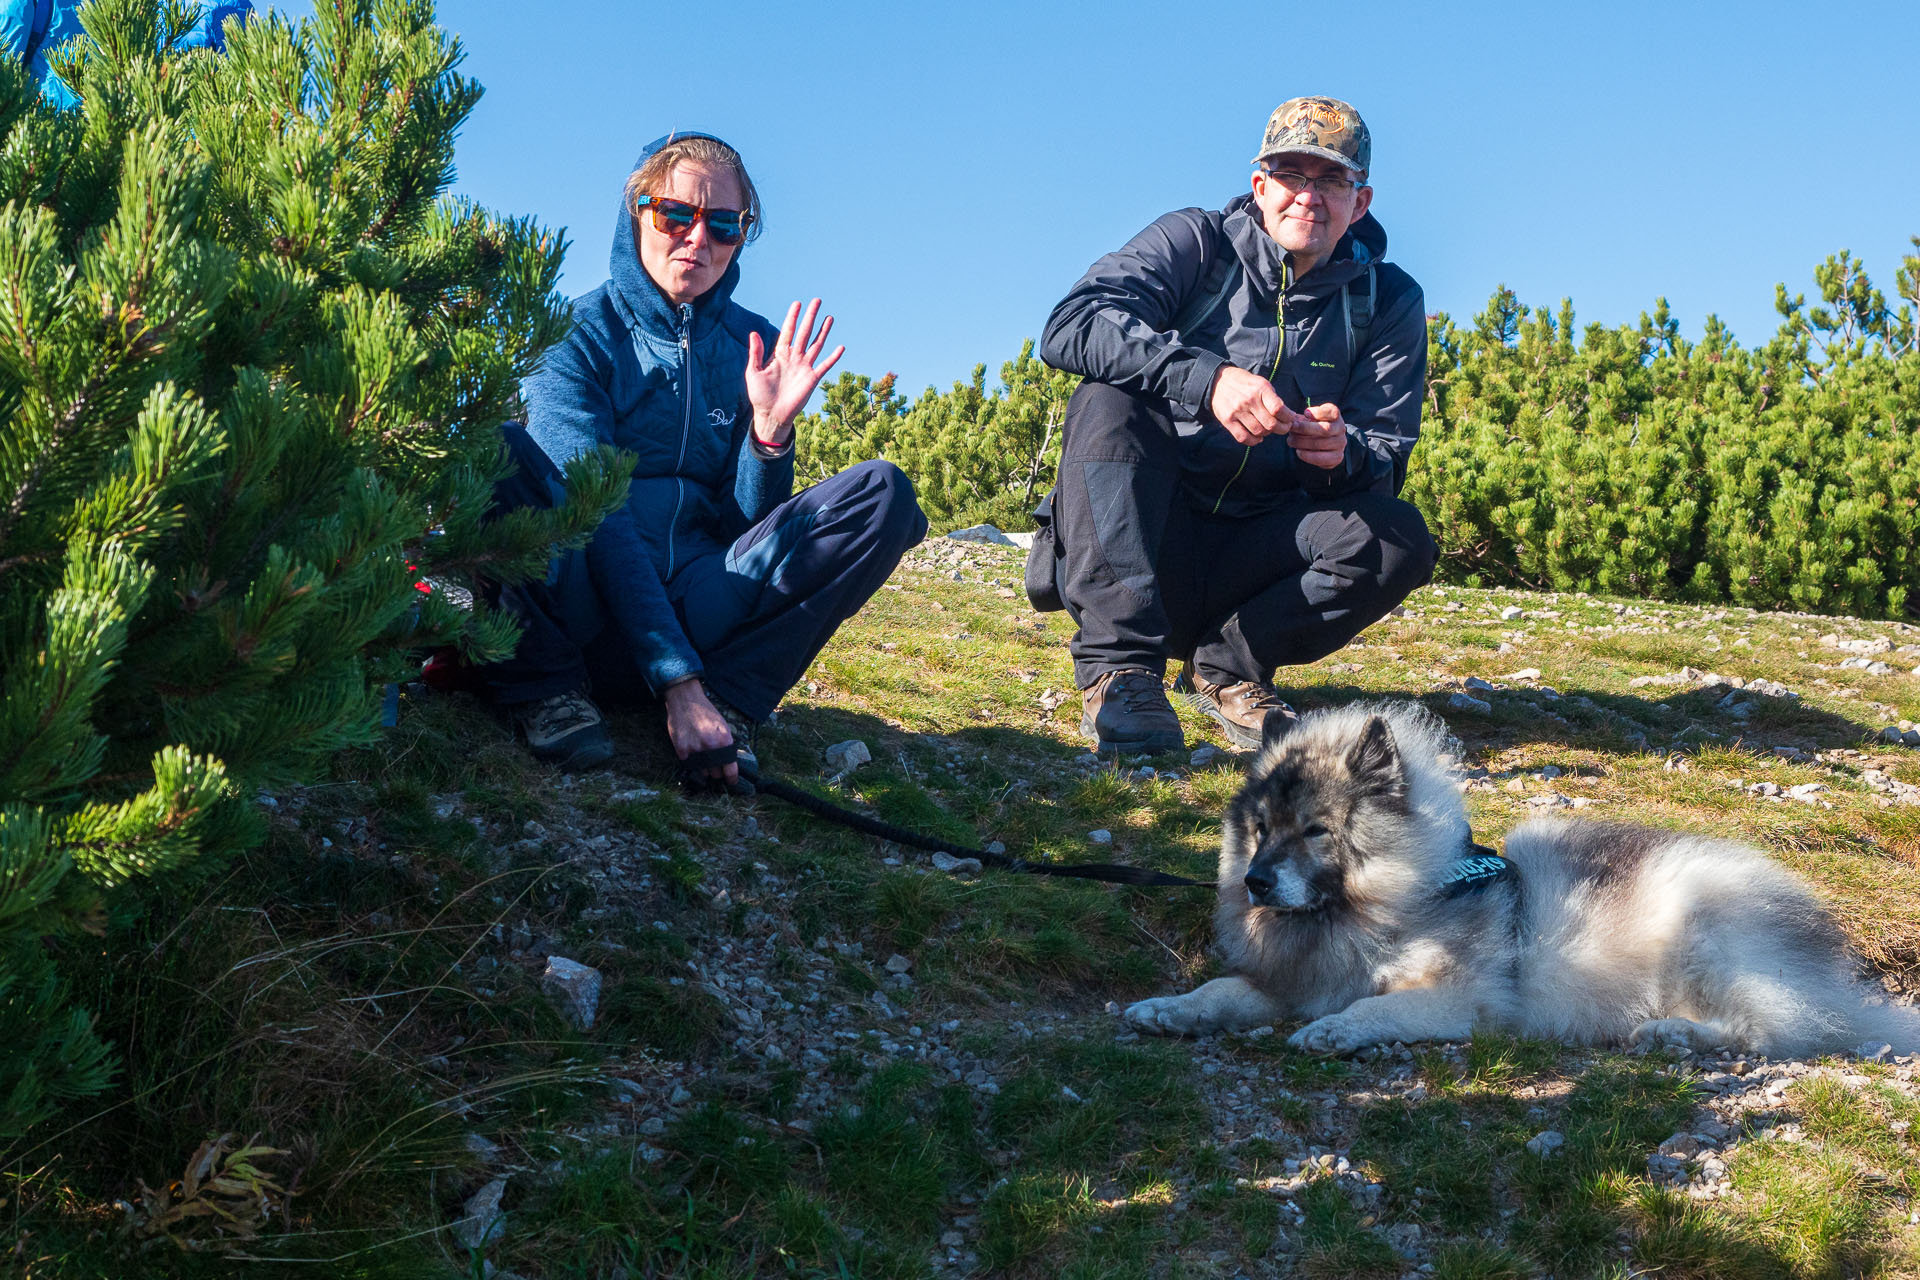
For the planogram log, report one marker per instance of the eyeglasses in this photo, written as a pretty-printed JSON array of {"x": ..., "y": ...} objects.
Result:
[
  {"x": 1328, "y": 185},
  {"x": 676, "y": 218}
]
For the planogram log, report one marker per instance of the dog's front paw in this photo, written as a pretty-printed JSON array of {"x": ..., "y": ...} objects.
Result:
[
  {"x": 1167, "y": 1016},
  {"x": 1335, "y": 1033},
  {"x": 1683, "y": 1033}
]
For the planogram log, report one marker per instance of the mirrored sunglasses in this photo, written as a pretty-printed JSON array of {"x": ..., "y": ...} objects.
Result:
[{"x": 676, "y": 218}]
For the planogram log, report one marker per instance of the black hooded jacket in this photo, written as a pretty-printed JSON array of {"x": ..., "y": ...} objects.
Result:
[{"x": 1116, "y": 326}]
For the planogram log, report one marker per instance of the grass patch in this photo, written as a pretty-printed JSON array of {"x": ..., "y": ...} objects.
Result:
[
  {"x": 1443, "y": 1155},
  {"x": 1478, "y": 1260},
  {"x": 1576, "y": 1199},
  {"x": 1335, "y": 1239},
  {"x": 1081, "y": 1103}
]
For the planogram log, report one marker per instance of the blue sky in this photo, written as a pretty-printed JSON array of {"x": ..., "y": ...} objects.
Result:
[{"x": 941, "y": 174}]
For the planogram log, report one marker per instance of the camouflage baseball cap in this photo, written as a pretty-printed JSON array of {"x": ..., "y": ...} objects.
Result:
[{"x": 1325, "y": 127}]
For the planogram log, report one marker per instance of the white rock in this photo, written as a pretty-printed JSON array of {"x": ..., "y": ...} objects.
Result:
[
  {"x": 1512, "y": 612},
  {"x": 1203, "y": 756},
  {"x": 1102, "y": 836},
  {"x": 983, "y": 533},
  {"x": 897, "y": 963},
  {"x": 1478, "y": 685},
  {"x": 1681, "y": 1146},
  {"x": 1524, "y": 673},
  {"x": 481, "y": 1221},
  {"x": 845, "y": 757},
  {"x": 956, "y": 866},
  {"x": 1467, "y": 702},
  {"x": 1024, "y": 541},
  {"x": 574, "y": 987}
]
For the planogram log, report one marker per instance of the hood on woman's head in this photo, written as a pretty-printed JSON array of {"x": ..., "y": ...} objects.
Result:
[
  {"x": 658, "y": 158},
  {"x": 650, "y": 175}
]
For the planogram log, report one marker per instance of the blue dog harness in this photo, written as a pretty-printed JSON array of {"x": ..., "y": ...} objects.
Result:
[{"x": 1479, "y": 869}]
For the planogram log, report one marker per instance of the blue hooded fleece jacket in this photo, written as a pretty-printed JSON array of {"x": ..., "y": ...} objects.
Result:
[{"x": 668, "y": 384}]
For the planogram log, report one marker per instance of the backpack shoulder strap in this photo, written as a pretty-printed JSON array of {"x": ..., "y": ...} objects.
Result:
[
  {"x": 1216, "y": 282},
  {"x": 1357, "y": 303}
]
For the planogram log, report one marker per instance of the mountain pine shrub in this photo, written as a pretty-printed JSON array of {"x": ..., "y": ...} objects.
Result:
[
  {"x": 252, "y": 371},
  {"x": 1637, "y": 463},
  {"x": 976, "y": 456}
]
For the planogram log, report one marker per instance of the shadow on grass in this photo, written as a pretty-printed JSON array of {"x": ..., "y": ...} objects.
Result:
[{"x": 1683, "y": 719}]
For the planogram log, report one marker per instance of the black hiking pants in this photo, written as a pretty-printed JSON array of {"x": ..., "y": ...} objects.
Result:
[{"x": 1147, "y": 577}]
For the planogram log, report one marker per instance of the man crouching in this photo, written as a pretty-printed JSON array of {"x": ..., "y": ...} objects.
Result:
[{"x": 1228, "y": 486}]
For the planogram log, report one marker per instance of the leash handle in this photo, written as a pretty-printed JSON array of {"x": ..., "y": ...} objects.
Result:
[{"x": 694, "y": 775}]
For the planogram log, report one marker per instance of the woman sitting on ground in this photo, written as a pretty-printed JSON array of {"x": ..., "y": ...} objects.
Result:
[{"x": 712, "y": 589}]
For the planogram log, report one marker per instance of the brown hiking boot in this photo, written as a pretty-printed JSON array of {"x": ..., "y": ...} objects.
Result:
[
  {"x": 1128, "y": 711},
  {"x": 1240, "y": 709}
]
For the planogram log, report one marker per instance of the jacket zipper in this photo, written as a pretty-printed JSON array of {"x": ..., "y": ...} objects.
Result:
[
  {"x": 1279, "y": 351},
  {"x": 686, "y": 426}
]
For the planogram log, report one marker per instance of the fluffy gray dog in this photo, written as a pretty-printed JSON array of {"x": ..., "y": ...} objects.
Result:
[{"x": 1350, "y": 895}]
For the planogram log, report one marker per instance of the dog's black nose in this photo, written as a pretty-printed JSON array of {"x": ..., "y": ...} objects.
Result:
[{"x": 1259, "y": 881}]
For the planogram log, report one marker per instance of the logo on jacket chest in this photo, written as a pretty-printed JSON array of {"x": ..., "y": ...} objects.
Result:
[{"x": 719, "y": 418}]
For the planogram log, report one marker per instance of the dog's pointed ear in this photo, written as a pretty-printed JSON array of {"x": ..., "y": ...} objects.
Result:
[
  {"x": 1375, "y": 760},
  {"x": 1276, "y": 727}
]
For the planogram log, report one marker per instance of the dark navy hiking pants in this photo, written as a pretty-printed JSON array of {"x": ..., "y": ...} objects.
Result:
[
  {"x": 1147, "y": 577},
  {"x": 757, "y": 613}
]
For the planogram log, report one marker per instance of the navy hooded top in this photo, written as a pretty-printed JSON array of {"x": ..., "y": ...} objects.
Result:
[{"x": 668, "y": 384}]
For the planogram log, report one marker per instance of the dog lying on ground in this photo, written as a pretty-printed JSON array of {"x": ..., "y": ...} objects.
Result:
[{"x": 1350, "y": 895}]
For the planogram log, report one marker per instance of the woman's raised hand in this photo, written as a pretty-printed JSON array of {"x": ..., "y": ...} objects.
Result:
[{"x": 779, "y": 381}]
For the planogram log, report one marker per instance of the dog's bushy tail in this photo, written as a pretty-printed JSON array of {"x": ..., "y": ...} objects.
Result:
[{"x": 1877, "y": 1020}]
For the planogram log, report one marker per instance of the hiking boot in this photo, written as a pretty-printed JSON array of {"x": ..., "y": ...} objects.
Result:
[
  {"x": 1128, "y": 710},
  {"x": 565, "y": 729},
  {"x": 742, "y": 729},
  {"x": 1240, "y": 709}
]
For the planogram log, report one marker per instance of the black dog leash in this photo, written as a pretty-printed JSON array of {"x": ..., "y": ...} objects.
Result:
[
  {"x": 1479, "y": 867},
  {"x": 693, "y": 775}
]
